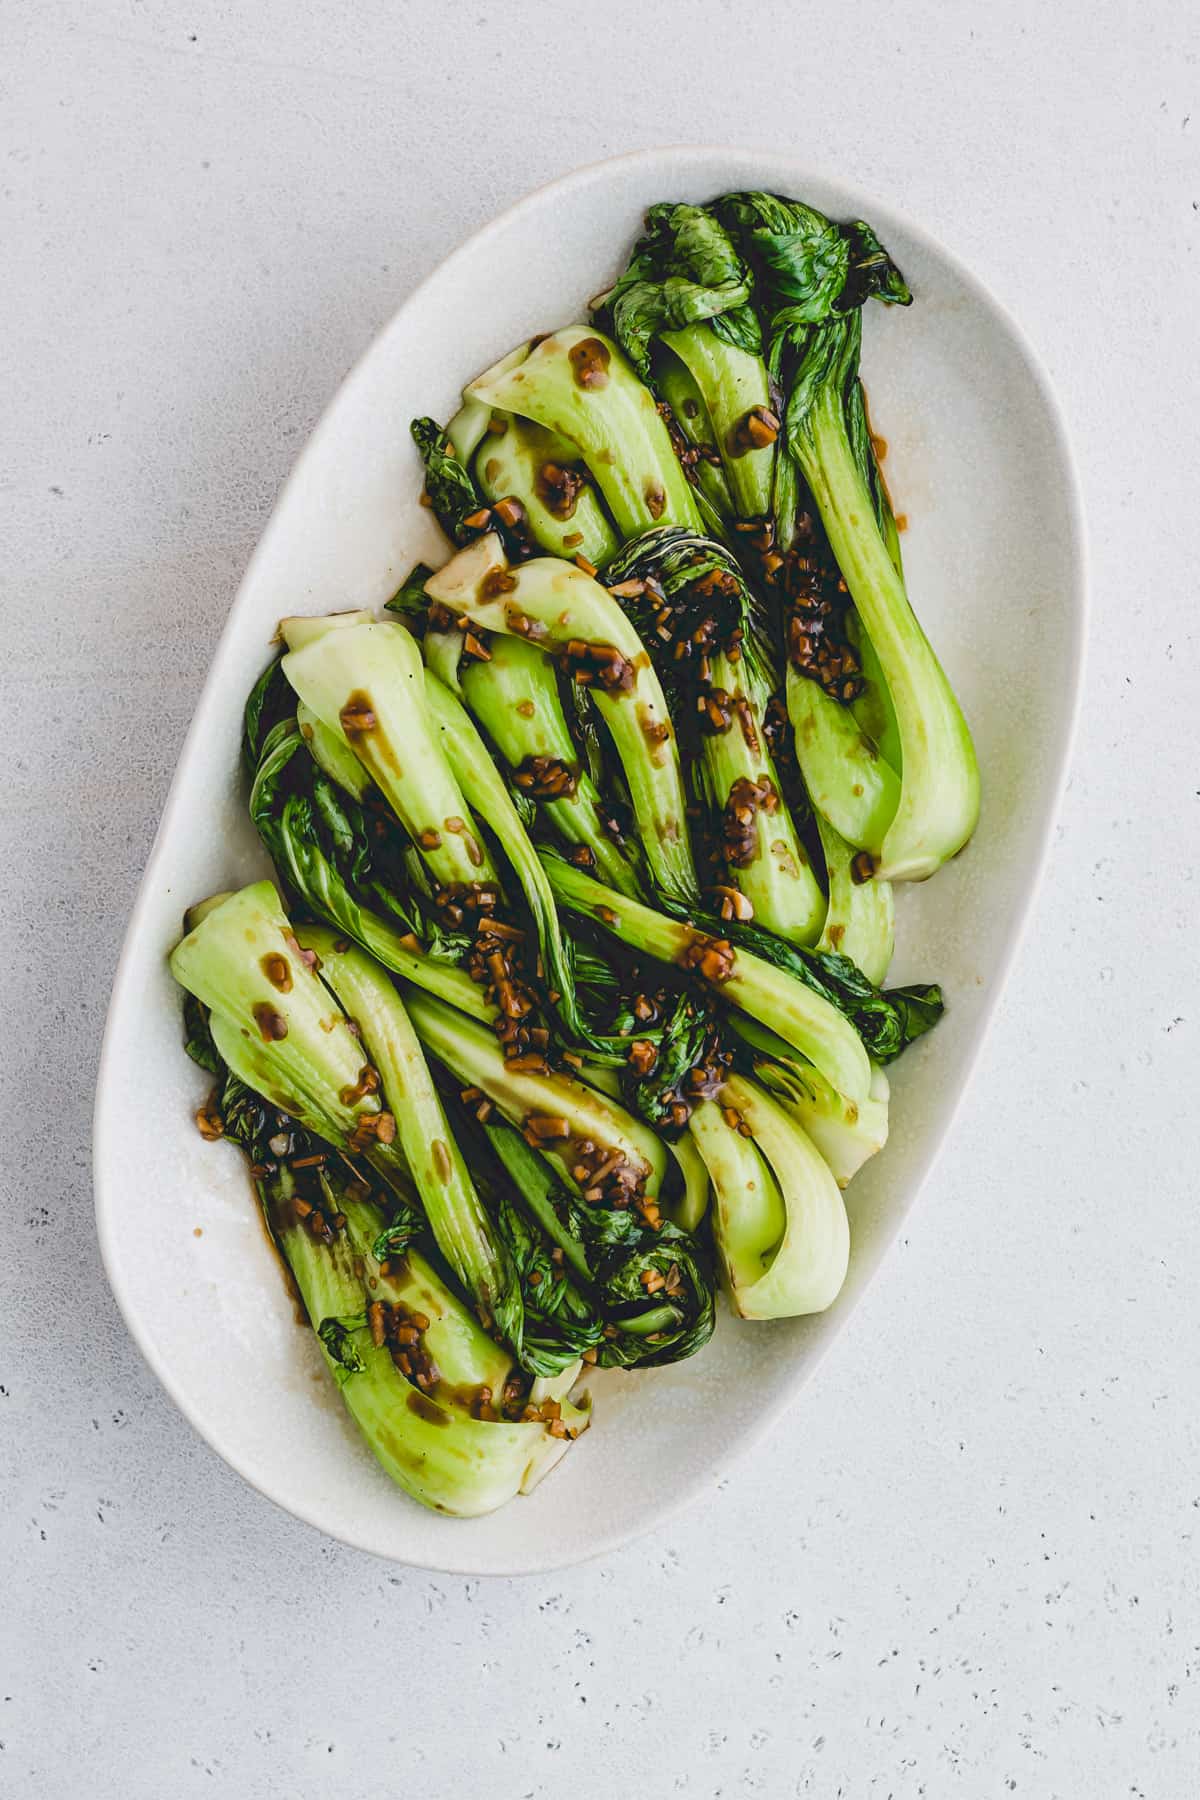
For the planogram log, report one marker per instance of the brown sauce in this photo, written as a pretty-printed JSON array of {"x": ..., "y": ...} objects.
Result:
[
  {"x": 272, "y": 1025},
  {"x": 358, "y": 714},
  {"x": 425, "y": 1409},
  {"x": 589, "y": 359}
]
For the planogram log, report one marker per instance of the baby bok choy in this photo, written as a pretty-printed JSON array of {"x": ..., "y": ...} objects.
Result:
[
  {"x": 564, "y": 611},
  {"x": 811, "y": 280},
  {"x": 558, "y": 1111},
  {"x": 514, "y": 695},
  {"x": 357, "y": 1079},
  {"x": 652, "y": 1287},
  {"x": 709, "y": 638},
  {"x": 366, "y": 685},
  {"x": 860, "y": 916},
  {"x": 330, "y": 864},
  {"x": 778, "y": 1216},
  {"x": 577, "y": 385},
  {"x": 472, "y": 766},
  {"x": 576, "y": 1025},
  {"x": 423, "y": 1382},
  {"x": 531, "y": 477},
  {"x": 796, "y": 1006},
  {"x": 512, "y": 688},
  {"x": 601, "y": 1204},
  {"x": 846, "y": 1132},
  {"x": 682, "y": 313}
]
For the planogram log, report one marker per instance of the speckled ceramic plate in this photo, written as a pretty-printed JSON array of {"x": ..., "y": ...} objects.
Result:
[{"x": 979, "y": 463}]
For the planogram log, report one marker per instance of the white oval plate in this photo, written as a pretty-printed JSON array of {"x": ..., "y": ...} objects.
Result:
[{"x": 979, "y": 463}]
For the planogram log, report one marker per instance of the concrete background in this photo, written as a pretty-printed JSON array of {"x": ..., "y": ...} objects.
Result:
[{"x": 968, "y": 1563}]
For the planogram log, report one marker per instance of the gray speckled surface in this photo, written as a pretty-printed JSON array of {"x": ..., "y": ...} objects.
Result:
[{"x": 968, "y": 1565}]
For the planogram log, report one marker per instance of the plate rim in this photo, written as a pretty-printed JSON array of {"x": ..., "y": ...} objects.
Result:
[{"x": 1077, "y": 593}]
